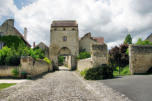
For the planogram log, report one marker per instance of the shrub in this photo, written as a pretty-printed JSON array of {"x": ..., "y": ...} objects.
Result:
[
  {"x": 98, "y": 73},
  {"x": 23, "y": 75},
  {"x": 47, "y": 60},
  {"x": 149, "y": 71},
  {"x": 84, "y": 55},
  {"x": 60, "y": 60},
  {"x": 15, "y": 72},
  {"x": 83, "y": 73}
]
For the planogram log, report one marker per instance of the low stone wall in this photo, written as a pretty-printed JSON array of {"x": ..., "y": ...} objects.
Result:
[
  {"x": 6, "y": 71},
  {"x": 34, "y": 68},
  {"x": 84, "y": 64},
  {"x": 140, "y": 58}
]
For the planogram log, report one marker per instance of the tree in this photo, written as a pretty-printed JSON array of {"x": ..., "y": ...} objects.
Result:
[
  {"x": 141, "y": 42},
  {"x": 128, "y": 39},
  {"x": 118, "y": 56}
]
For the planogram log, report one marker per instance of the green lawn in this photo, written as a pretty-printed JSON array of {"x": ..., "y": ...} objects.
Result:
[
  {"x": 123, "y": 71},
  {"x": 6, "y": 85}
]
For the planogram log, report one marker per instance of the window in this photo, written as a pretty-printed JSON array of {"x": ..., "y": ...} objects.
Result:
[
  {"x": 73, "y": 29},
  {"x": 64, "y": 38},
  {"x": 64, "y": 29}
]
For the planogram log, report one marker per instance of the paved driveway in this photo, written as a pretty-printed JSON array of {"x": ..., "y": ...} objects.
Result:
[{"x": 136, "y": 87}]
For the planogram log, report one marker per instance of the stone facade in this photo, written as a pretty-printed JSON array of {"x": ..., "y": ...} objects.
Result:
[
  {"x": 44, "y": 48},
  {"x": 64, "y": 41},
  {"x": 140, "y": 58},
  {"x": 99, "y": 54},
  {"x": 7, "y": 28},
  {"x": 86, "y": 41},
  {"x": 34, "y": 68}
]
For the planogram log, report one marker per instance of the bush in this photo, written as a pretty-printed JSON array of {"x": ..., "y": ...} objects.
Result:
[
  {"x": 15, "y": 72},
  {"x": 84, "y": 55},
  {"x": 60, "y": 60},
  {"x": 23, "y": 75},
  {"x": 98, "y": 73},
  {"x": 47, "y": 60}
]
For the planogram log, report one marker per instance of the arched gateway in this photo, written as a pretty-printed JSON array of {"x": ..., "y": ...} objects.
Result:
[{"x": 64, "y": 41}]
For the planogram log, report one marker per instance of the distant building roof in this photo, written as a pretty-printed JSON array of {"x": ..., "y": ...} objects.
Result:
[
  {"x": 41, "y": 43},
  {"x": 10, "y": 22},
  {"x": 97, "y": 39},
  {"x": 150, "y": 36},
  {"x": 64, "y": 23}
]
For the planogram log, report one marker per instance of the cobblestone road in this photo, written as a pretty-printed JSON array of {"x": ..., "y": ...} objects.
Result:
[{"x": 57, "y": 86}]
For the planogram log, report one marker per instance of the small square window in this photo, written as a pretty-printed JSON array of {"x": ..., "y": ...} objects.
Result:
[
  {"x": 64, "y": 38},
  {"x": 64, "y": 29}
]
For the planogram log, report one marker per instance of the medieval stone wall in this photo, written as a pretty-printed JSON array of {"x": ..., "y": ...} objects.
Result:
[
  {"x": 34, "y": 67},
  {"x": 99, "y": 54},
  {"x": 140, "y": 58},
  {"x": 84, "y": 64},
  {"x": 6, "y": 71}
]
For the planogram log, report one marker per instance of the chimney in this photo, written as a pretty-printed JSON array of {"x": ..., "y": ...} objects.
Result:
[
  {"x": 25, "y": 33},
  {"x": 33, "y": 44}
]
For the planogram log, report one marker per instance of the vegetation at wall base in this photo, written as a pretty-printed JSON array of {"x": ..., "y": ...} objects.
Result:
[
  {"x": 6, "y": 85},
  {"x": 123, "y": 71},
  {"x": 84, "y": 55},
  {"x": 15, "y": 72},
  {"x": 98, "y": 73}
]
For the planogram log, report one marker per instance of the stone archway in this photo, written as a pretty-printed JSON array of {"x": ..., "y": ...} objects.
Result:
[
  {"x": 64, "y": 41},
  {"x": 64, "y": 57}
]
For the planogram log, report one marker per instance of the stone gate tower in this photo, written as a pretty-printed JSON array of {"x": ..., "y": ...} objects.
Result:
[{"x": 64, "y": 41}]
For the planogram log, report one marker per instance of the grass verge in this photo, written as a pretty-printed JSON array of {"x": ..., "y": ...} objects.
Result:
[
  {"x": 6, "y": 85},
  {"x": 123, "y": 71}
]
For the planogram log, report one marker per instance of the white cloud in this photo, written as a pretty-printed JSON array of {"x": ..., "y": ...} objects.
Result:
[
  {"x": 112, "y": 19},
  {"x": 7, "y": 8}
]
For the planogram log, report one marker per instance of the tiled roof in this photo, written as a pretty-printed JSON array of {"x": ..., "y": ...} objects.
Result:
[
  {"x": 99, "y": 39},
  {"x": 64, "y": 23}
]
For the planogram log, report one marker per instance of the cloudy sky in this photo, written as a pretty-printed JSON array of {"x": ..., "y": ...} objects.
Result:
[{"x": 111, "y": 19}]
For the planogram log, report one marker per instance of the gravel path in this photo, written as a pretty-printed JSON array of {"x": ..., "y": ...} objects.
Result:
[
  {"x": 60, "y": 86},
  {"x": 57, "y": 86}
]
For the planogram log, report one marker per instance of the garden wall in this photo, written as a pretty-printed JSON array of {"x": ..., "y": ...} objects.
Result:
[
  {"x": 140, "y": 58},
  {"x": 6, "y": 71},
  {"x": 34, "y": 68},
  {"x": 84, "y": 64},
  {"x": 99, "y": 56}
]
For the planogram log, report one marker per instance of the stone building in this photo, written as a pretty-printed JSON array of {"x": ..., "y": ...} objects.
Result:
[
  {"x": 64, "y": 41},
  {"x": 44, "y": 48},
  {"x": 87, "y": 40},
  {"x": 149, "y": 38},
  {"x": 8, "y": 28}
]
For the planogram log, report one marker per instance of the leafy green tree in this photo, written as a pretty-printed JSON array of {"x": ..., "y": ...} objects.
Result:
[
  {"x": 128, "y": 39},
  {"x": 143, "y": 42}
]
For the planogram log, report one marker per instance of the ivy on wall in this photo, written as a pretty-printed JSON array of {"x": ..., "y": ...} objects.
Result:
[{"x": 12, "y": 41}]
